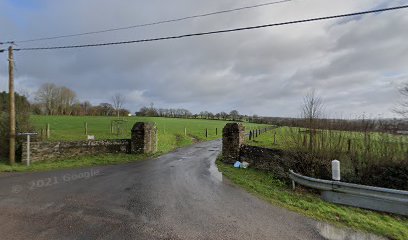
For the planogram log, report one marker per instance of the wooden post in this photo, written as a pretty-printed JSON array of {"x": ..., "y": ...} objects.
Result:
[
  {"x": 111, "y": 127},
  {"x": 274, "y": 138},
  {"x": 12, "y": 109},
  {"x": 216, "y": 131},
  {"x": 47, "y": 131},
  {"x": 206, "y": 132},
  {"x": 250, "y": 135},
  {"x": 304, "y": 140},
  {"x": 185, "y": 131},
  {"x": 256, "y": 133},
  {"x": 86, "y": 128}
]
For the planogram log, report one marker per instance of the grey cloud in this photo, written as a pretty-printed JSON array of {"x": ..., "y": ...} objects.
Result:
[{"x": 264, "y": 72}]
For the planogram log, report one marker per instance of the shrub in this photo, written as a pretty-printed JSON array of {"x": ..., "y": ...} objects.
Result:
[{"x": 22, "y": 121}]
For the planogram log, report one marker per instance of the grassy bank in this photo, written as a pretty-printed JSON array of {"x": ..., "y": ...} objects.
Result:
[
  {"x": 276, "y": 192},
  {"x": 75, "y": 162}
]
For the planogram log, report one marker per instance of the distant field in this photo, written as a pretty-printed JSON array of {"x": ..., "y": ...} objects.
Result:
[
  {"x": 171, "y": 130},
  {"x": 351, "y": 147},
  {"x": 279, "y": 138}
]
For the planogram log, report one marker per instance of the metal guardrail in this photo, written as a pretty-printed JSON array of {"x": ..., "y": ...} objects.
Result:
[{"x": 374, "y": 198}]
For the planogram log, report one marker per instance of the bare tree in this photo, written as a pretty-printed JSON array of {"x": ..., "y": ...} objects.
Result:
[
  {"x": 234, "y": 114},
  {"x": 67, "y": 98},
  {"x": 105, "y": 109},
  {"x": 312, "y": 110},
  {"x": 118, "y": 100},
  {"x": 56, "y": 100},
  {"x": 403, "y": 109},
  {"x": 312, "y": 106},
  {"x": 47, "y": 95}
]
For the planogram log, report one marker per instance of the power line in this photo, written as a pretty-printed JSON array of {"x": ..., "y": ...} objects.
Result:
[
  {"x": 149, "y": 24},
  {"x": 216, "y": 32}
]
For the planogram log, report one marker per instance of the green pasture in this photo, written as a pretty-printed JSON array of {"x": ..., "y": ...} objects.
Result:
[
  {"x": 369, "y": 146},
  {"x": 281, "y": 136},
  {"x": 171, "y": 131}
]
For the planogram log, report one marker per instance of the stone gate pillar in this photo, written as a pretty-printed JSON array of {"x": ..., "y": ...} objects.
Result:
[
  {"x": 144, "y": 138},
  {"x": 233, "y": 136}
]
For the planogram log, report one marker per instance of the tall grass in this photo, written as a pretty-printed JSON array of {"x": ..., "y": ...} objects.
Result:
[{"x": 371, "y": 158}]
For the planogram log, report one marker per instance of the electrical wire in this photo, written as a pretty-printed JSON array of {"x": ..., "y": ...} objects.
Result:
[
  {"x": 150, "y": 24},
  {"x": 216, "y": 32}
]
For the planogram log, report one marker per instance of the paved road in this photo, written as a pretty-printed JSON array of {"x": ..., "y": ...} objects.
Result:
[{"x": 180, "y": 195}]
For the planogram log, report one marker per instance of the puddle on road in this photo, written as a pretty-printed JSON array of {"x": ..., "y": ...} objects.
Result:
[
  {"x": 334, "y": 233},
  {"x": 215, "y": 174}
]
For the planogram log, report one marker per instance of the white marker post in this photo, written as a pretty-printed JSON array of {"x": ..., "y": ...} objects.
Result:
[
  {"x": 336, "y": 170},
  {"x": 28, "y": 144}
]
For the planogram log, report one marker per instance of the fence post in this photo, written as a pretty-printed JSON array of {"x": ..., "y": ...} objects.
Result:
[
  {"x": 206, "y": 132},
  {"x": 256, "y": 133},
  {"x": 86, "y": 128},
  {"x": 250, "y": 135},
  {"x": 216, "y": 131},
  {"x": 274, "y": 138},
  {"x": 185, "y": 131},
  {"x": 48, "y": 130}
]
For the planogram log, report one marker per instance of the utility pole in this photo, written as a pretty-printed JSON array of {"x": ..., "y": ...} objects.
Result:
[{"x": 12, "y": 109}]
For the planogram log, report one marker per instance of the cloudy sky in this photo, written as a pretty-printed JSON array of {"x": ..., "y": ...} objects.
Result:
[{"x": 355, "y": 64}]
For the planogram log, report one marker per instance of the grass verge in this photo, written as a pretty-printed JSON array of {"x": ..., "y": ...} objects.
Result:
[
  {"x": 266, "y": 186},
  {"x": 76, "y": 162}
]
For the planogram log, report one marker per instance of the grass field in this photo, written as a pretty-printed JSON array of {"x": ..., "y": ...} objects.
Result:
[
  {"x": 171, "y": 135},
  {"x": 170, "y": 130},
  {"x": 266, "y": 186},
  {"x": 370, "y": 147},
  {"x": 279, "y": 138}
]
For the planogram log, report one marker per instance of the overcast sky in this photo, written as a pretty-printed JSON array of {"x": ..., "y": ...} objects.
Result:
[{"x": 355, "y": 64}]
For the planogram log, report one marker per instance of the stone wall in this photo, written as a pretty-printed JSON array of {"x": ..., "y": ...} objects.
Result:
[
  {"x": 233, "y": 136},
  {"x": 143, "y": 140},
  {"x": 272, "y": 160},
  {"x": 42, "y": 151},
  {"x": 234, "y": 149}
]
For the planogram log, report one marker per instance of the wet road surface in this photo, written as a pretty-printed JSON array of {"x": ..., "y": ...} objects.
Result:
[{"x": 180, "y": 195}]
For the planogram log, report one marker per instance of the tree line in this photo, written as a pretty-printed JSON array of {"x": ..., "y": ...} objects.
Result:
[
  {"x": 51, "y": 99},
  {"x": 184, "y": 113},
  {"x": 313, "y": 118}
]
